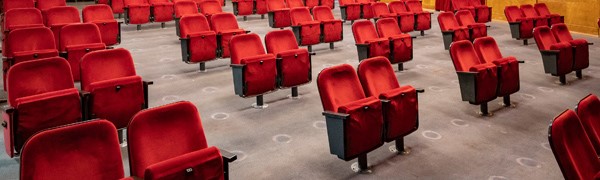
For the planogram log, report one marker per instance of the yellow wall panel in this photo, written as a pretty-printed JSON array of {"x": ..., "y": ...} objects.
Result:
[
  {"x": 580, "y": 15},
  {"x": 498, "y": 6}
]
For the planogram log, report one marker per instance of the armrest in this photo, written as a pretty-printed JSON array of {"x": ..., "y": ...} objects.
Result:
[
  {"x": 516, "y": 22},
  {"x": 589, "y": 43},
  {"x": 248, "y": 32},
  {"x": 312, "y": 53},
  {"x": 550, "y": 52},
  {"x": 228, "y": 156},
  {"x": 334, "y": 115},
  {"x": 521, "y": 62},
  {"x": 362, "y": 45},
  {"x": 466, "y": 73},
  {"x": 148, "y": 82},
  {"x": 413, "y": 37},
  {"x": 420, "y": 90},
  {"x": 237, "y": 66}
]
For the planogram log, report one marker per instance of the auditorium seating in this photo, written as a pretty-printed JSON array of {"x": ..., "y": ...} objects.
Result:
[
  {"x": 225, "y": 25},
  {"x": 508, "y": 67},
  {"x": 44, "y": 5},
  {"x": 581, "y": 54},
  {"x": 248, "y": 7},
  {"x": 279, "y": 14},
  {"x": 459, "y": 5},
  {"x": 521, "y": 27},
  {"x": 87, "y": 150},
  {"x": 159, "y": 150},
  {"x": 183, "y": 8},
  {"x": 307, "y": 31},
  {"x": 588, "y": 110},
  {"x": 368, "y": 42},
  {"x": 41, "y": 95},
  {"x": 294, "y": 3},
  {"x": 162, "y": 11},
  {"x": 422, "y": 18},
  {"x": 476, "y": 30},
  {"x": 102, "y": 16},
  {"x": 331, "y": 28},
  {"x": 12, "y": 4},
  {"x": 451, "y": 30},
  {"x": 406, "y": 19},
  {"x": 58, "y": 17},
  {"x": 79, "y": 39},
  {"x": 381, "y": 10},
  {"x": 118, "y": 6},
  {"x": 137, "y": 12},
  {"x": 543, "y": 11},
  {"x": 350, "y": 10},
  {"x": 17, "y": 19},
  {"x": 556, "y": 56},
  {"x": 401, "y": 45},
  {"x": 210, "y": 7},
  {"x": 529, "y": 12},
  {"x": 366, "y": 8},
  {"x": 480, "y": 12},
  {"x": 198, "y": 41},
  {"x": 293, "y": 64},
  {"x": 572, "y": 148}
]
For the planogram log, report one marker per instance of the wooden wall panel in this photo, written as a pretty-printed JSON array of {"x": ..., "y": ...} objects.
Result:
[
  {"x": 498, "y": 6},
  {"x": 580, "y": 15}
]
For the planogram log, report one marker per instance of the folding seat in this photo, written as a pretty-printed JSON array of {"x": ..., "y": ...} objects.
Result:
[
  {"x": 41, "y": 95},
  {"x": 422, "y": 18},
  {"x": 366, "y": 8},
  {"x": 588, "y": 110},
  {"x": 47, "y": 4},
  {"x": 459, "y": 5},
  {"x": 102, "y": 1},
  {"x": 521, "y": 27},
  {"x": 294, "y": 3},
  {"x": 11, "y": 4},
  {"x": 451, "y": 30},
  {"x": 58, "y": 17},
  {"x": 312, "y": 3},
  {"x": 118, "y": 6},
  {"x": 19, "y": 18},
  {"x": 354, "y": 120},
  {"x": 162, "y": 11},
  {"x": 112, "y": 90},
  {"x": 381, "y": 10},
  {"x": 254, "y": 71},
  {"x": 556, "y": 56},
  {"x": 198, "y": 42},
  {"x": 478, "y": 79},
  {"x": 150, "y": 130},
  {"x": 327, "y": 3},
  {"x": 225, "y": 25},
  {"x": 279, "y": 14},
  {"x": 293, "y": 64},
  {"x": 530, "y": 12},
  {"x": 243, "y": 7},
  {"x": 572, "y": 149},
  {"x": 543, "y": 11},
  {"x": 401, "y": 46},
  {"x": 581, "y": 52},
  {"x": 183, "y": 8},
  {"x": 368, "y": 42},
  {"x": 483, "y": 13},
  {"x": 210, "y": 7},
  {"x": 406, "y": 19},
  {"x": 350, "y": 10},
  {"x": 331, "y": 28},
  {"x": 399, "y": 103},
  {"x": 137, "y": 12},
  {"x": 102, "y": 16},
  {"x": 466, "y": 19},
  {"x": 307, "y": 30},
  {"x": 508, "y": 67},
  {"x": 82, "y": 39}
]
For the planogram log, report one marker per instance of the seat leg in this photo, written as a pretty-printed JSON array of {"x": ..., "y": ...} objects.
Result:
[
  {"x": 562, "y": 79},
  {"x": 330, "y": 45},
  {"x": 294, "y": 92},
  {"x": 162, "y": 25},
  {"x": 260, "y": 104},
  {"x": 139, "y": 27},
  {"x": 422, "y": 33},
  {"x": 262, "y": 16},
  {"x": 363, "y": 164},
  {"x": 351, "y": 22},
  {"x": 506, "y": 101},
  {"x": 245, "y": 18},
  {"x": 579, "y": 74},
  {"x": 202, "y": 67},
  {"x": 484, "y": 109},
  {"x": 525, "y": 42},
  {"x": 400, "y": 67},
  {"x": 119, "y": 16},
  {"x": 122, "y": 137},
  {"x": 400, "y": 147},
  {"x": 309, "y": 49}
]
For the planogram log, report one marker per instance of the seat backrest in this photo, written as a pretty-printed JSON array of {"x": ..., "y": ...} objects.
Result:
[
  {"x": 280, "y": 40},
  {"x": 275, "y": 5},
  {"x": 47, "y": 4},
  {"x": 561, "y": 32},
  {"x": 588, "y": 111},
  {"x": 487, "y": 49},
  {"x": 38, "y": 76},
  {"x": 321, "y": 13},
  {"x": 29, "y": 39},
  {"x": 447, "y": 21},
  {"x": 528, "y": 10},
  {"x": 88, "y": 149},
  {"x": 11, "y": 4},
  {"x": 245, "y": 45},
  {"x": 300, "y": 15},
  {"x": 185, "y": 7},
  {"x": 223, "y": 21},
  {"x": 572, "y": 148},
  {"x": 513, "y": 13},
  {"x": 543, "y": 37},
  {"x": 78, "y": 34},
  {"x": 380, "y": 8},
  {"x": 339, "y": 85},
  {"x": 463, "y": 55},
  {"x": 105, "y": 65},
  {"x": 210, "y": 7},
  {"x": 61, "y": 15},
  {"x": 128, "y": 2},
  {"x": 458, "y": 4},
  {"x": 465, "y": 18},
  {"x": 542, "y": 9},
  {"x": 377, "y": 76},
  {"x": 193, "y": 24},
  {"x": 22, "y": 17},
  {"x": 397, "y": 7},
  {"x": 100, "y": 12},
  {"x": 162, "y": 133},
  {"x": 475, "y": 3},
  {"x": 414, "y": 6},
  {"x": 363, "y": 31},
  {"x": 388, "y": 27},
  {"x": 294, "y": 3},
  {"x": 344, "y": 2}
]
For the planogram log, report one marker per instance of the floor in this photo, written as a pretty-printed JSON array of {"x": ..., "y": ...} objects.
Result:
[{"x": 288, "y": 140}]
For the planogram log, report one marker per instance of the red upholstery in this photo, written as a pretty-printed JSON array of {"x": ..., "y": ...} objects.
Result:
[
  {"x": 118, "y": 6},
  {"x": 401, "y": 47},
  {"x": 543, "y": 11},
  {"x": 225, "y": 25},
  {"x": 81, "y": 39},
  {"x": 260, "y": 72},
  {"x": 115, "y": 89},
  {"x": 183, "y": 8},
  {"x": 202, "y": 42},
  {"x": 367, "y": 10},
  {"x": 380, "y": 10},
  {"x": 20, "y": 18},
  {"x": 423, "y": 18},
  {"x": 514, "y": 14},
  {"x": 11, "y": 4},
  {"x": 331, "y": 28},
  {"x": 465, "y": 59},
  {"x": 281, "y": 13},
  {"x": 294, "y": 3},
  {"x": 449, "y": 23},
  {"x": 329, "y": 82},
  {"x": 47, "y": 4},
  {"x": 530, "y": 12},
  {"x": 312, "y": 3},
  {"x": 162, "y": 10},
  {"x": 581, "y": 60},
  {"x": 488, "y": 51},
  {"x": 546, "y": 41},
  {"x": 139, "y": 11},
  {"x": 465, "y": 19},
  {"x": 458, "y": 5},
  {"x": 572, "y": 148},
  {"x": 328, "y": 3},
  {"x": 310, "y": 30},
  {"x": 365, "y": 33},
  {"x": 58, "y": 17},
  {"x": 166, "y": 140},
  {"x": 588, "y": 111},
  {"x": 482, "y": 12},
  {"x": 210, "y": 7},
  {"x": 88, "y": 149},
  {"x": 407, "y": 18},
  {"x": 353, "y": 9},
  {"x": 244, "y": 7},
  {"x": 44, "y": 96},
  {"x": 102, "y": 16},
  {"x": 295, "y": 65}
]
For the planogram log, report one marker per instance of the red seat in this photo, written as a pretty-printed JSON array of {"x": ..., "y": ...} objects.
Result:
[
  {"x": 483, "y": 13},
  {"x": 88, "y": 149},
  {"x": 530, "y": 12},
  {"x": 366, "y": 8},
  {"x": 79, "y": 39},
  {"x": 118, "y": 6},
  {"x": 312, "y": 3},
  {"x": 279, "y": 14},
  {"x": 368, "y": 42},
  {"x": 451, "y": 30},
  {"x": 261, "y": 8},
  {"x": 401, "y": 47},
  {"x": 19, "y": 18},
  {"x": 243, "y": 7},
  {"x": 543, "y": 11},
  {"x": 478, "y": 79},
  {"x": 521, "y": 27},
  {"x": 47, "y": 4},
  {"x": 210, "y": 7},
  {"x": 350, "y": 10},
  {"x": 422, "y": 18},
  {"x": 476, "y": 30},
  {"x": 12, "y": 4},
  {"x": 102, "y": 16},
  {"x": 294, "y": 66},
  {"x": 331, "y": 28},
  {"x": 116, "y": 92},
  {"x": 226, "y": 26},
  {"x": 183, "y": 8},
  {"x": 354, "y": 121},
  {"x": 307, "y": 30},
  {"x": 406, "y": 19},
  {"x": 137, "y": 12},
  {"x": 162, "y": 10},
  {"x": 459, "y": 5},
  {"x": 58, "y": 17},
  {"x": 572, "y": 148},
  {"x": 508, "y": 67},
  {"x": 381, "y": 10},
  {"x": 581, "y": 52},
  {"x": 588, "y": 110},
  {"x": 198, "y": 42},
  {"x": 294, "y": 3},
  {"x": 159, "y": 150},
  {"x": 41, "y": 95},
  {"x": 557, "y": 56}
]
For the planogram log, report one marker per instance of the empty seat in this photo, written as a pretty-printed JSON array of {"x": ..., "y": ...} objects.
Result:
[
  {"x": 58, "y": 17},
  {"x": 294, "y": 66},
  {"x": 198, "y": 42},
  {"x": 381, "y": 10},
  {"x": 406, "y": 19},
  {"x": 478, "y": 80},
  {"x": 331, "y": 28},
  {"x": 114, "y": 91},
  {"x": 543, "y": 11},
  {"x": 19, "y": 18},
  {"x": 483, "y": 13},
  {"x": 422, "y": 19},
  {"x": 354, "y": 121},
  {"x": 47, "y": 4},
  {"x": 243, "y": 7},
  {"x": 102, "y": 16},
  {"x": 183, "y": 8},
  {"x": 581, "y": 52},
  {"x": 476, "y": 30},
  {"x": 508, "y": 67},
  {"x": 12, "y": 4},
  {"x": 366, "y": 8},
  {"x": 118, "y": 6},
  {"x": 137, "y": 12},
  {"x": 350, "y": 10},
  {"x": 162, "y": 11},
  {"x": 459, "y": 5},
  {"x": 226, "y": 26},
  {"x": 260, "y": 7},
  {"x": 210, "y": 7},
  {"x": 588, "y": 110},
  {"x": 294, "y": 3},
  {"x": 530, "y": 12},
  {"x": 41, "y": 95},
  {"x": 451, "y": 30},
  {"x": 572, "y": 148},
  {"x": 81, "y": 39},
  {"x": 307, "y": 30},
  {"x": 368, "y": 42},
  {"x": 279, "y": 14},
  {"x": 401, "y": 46},
  {"x": 521, "y": 27},
  {"x": 88, "y": 149},
  {"x": 159, "y": 150},
  {"x": 556, "y": 56}
]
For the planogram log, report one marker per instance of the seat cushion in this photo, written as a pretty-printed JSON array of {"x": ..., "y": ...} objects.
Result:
[
  {"x": 364, "y": 126},
  {"x": 402, "y": 113},
  {"x": 295, "y": 67},
  {"x": 117, "y": 100},
  {"x": 260, "y": 74},
  {"x": 202, "y": 164}
]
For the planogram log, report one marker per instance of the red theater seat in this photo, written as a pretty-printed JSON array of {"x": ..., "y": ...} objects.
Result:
[
  {"x": 118, "y": 6},
  {"x": 102, "y": 16},
  {"x": 459, "y": 5},
  {"x": 87, "y": 150},
  {"x": 78, "y": 40},
  {"x": 368, "y": 42},
  {"x": 401, "y": 45},
  {"x": 529, "y": 12},
  {"x": 294, "y": 3},
  {"x": 198, "y": 41},
  {"x": 572, "y": 148},
  {"x": 159, "y": 150},
  {"x": 381, "y": 10},
  {"x": 406, "y": 19},
  {"x": 41, "y": 95},
  {"x": 350, "y": 10},
  {"x": 451, "y": 30},
  {"x": 556, "y": 56},
  {"x": 543, "y": 11},
  {"x": 279, "y": 14},
  {"x": 183, "y": 8},
  {"x": 483, "y": 13},
  {"x": 58, "y": 17},
  {"x": 162, "y": 11},
  {"x": 588, "y": 111},
  {"x": 422, "y": 18},
  {"x": 17, "y": 19},
  {"x": 581, "y": 52},
  {"x": 12, "y": 4},
  {"x": 294, "y": 64},
  {"x": 137, "y": 12},
  {"x": 366, "y": 8},
  {"x": 476, "y": 30},
  {"x": 47, "y": 4},
  {"x": 243, "y": 7},
  {"x": 521, "y": 27},
  {"x": 307, "y": 30},
  {"x": 508, "y": 67},
  {"x": 210, "y": 7},
  {"x": 226, "y": 26},
  {"x": 331, "y": 28}
]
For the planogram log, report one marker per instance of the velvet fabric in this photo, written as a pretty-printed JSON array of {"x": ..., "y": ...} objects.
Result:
[
  {"x": 20, "y": 18},
  {"x": 310, "y": 32},
  {"x": 365, "y": 33},
  {"x": 12, "y": 4},
  {"x": 381, "y": 10},
  {"x": 225, "y": 25},
  {"x": 545, "y": 40},
  {"x": 118, "y": 6},
  {"x": 353, "y": 9},
  {"x": 329, "y": 82},
  {"x": 79, "y": 39},
  {"x": 58, "y": 17},
  {"x": 102, "y": 16},
  {"x": 581, "y": 59},
  {"x": 312, "y": 3},
  {"x": 367, "y": 10},
  {"x": 183, "y": 8},
  {"x": 449, "y": 23},
  {"x": 529, "y": 12},
  {"x": 331, "y": 28},
  {"x": 244, "y": 7},
  {"x": 401, "y": 44},
  {"x": 294, "y": 3},
  {"x": 162, "y": 10},
  {"x": 202, "y": 42},
  {"x": 105, "y": 65},
  {"x": 328, "y": 3},
  {"x": 377, "y": 76},
  {"x": 204, "y": 164},
  {"x": 139, "y": 11},
  {"x": 210, "y": 7},
  {"x": 543, "y": 10},
  {"x": 405, "y": 17},
  {"x": 47, "y": 4},
  {"x": 260, "y": 73},
  {"x": 465, "y": 59},
  {"x": 488, "y": 51},
  {"x": 514, "y": 14},
  {"x": 465, "y": 18},
  {"x": 459, "y": 5},
  {"x": 364, "y": 126},
  {"x": 402, "y": 114},
  {"x": 588, "y": 110},
  {"x": 261, "y": 6},
  {"x": 482, "y": 12},
  {"x": 281, "y": 13},
  {"x": 423, "y": 18},
  {"x": 295, "y": 63}
]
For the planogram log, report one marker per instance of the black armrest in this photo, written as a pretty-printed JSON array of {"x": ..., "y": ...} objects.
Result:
[
  {"x": 447, "y": 31},
  {"x": 85, "y": 108},
  {"x": 466, "y": 72},
  {"x": 551, "y": 52},
  {"x": 227, "y": 156},
  {"x": 420, "y": 90},
  {"x": 334, "y": 115},
  {"x": 312, "y": 53},
  {"x": 362, "y": 45},
  {"x": 516, "y": 22},
  {"x": 521, "y": 62},
  {"x": 590, "y": 43},
  {"x": 148, "y": 82},
  {"x": 237, "y": 65},
  {"x": 248, "y": 32},
  {"x": 414, "y": 37}
]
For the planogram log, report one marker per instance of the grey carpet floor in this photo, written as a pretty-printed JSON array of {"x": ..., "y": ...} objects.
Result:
[{"x": 288, "y": 140}]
